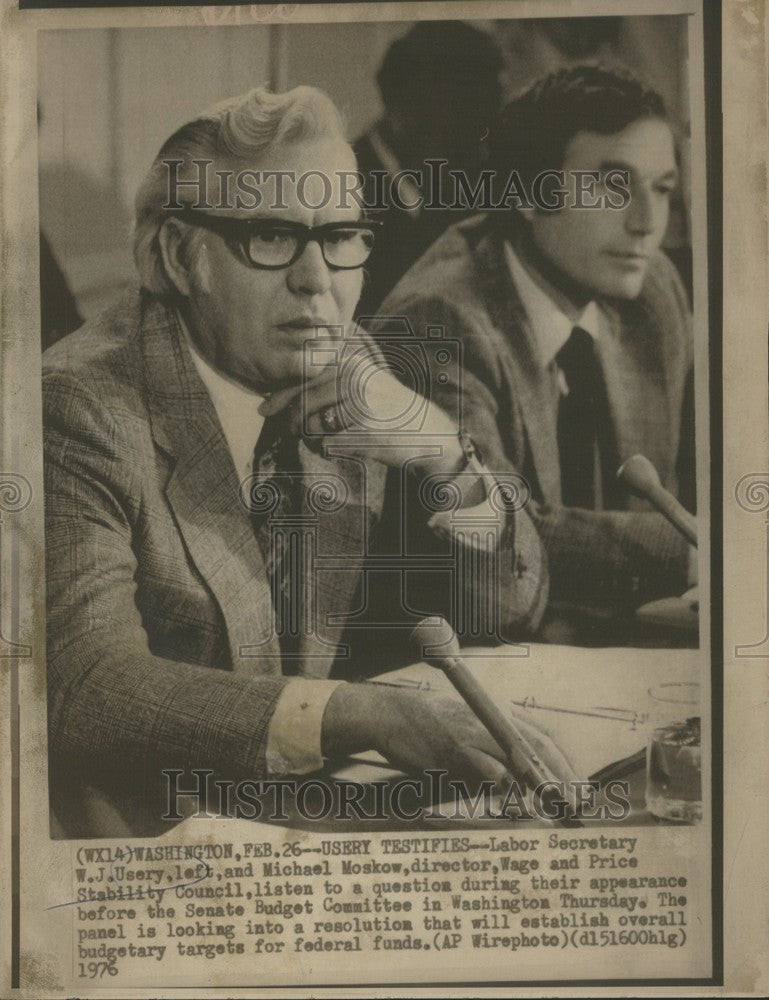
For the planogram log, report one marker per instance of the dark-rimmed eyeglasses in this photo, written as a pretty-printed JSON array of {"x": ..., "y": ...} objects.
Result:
[{"x": 272, "y": 246}]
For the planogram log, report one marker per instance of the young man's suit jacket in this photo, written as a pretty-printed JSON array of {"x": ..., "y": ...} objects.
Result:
[
  {"x": 510, "y": 403},
  {"x": 161, "y": 649}
]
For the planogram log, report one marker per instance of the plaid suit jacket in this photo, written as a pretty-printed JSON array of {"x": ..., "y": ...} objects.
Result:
[
  {"x": 161, "y": 650},
  {"x": 462, "y": 284}
]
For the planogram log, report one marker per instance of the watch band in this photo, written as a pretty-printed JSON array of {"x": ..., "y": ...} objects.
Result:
[{"x": 473, "y": 457}]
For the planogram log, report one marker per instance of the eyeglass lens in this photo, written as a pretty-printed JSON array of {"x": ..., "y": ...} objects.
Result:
[{"x": 275, "y": 247}]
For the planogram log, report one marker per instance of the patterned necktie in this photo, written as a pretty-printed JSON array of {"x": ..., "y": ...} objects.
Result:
[
  {"x": 275, "y": 464},
  {"x": 579, "y": 416}
]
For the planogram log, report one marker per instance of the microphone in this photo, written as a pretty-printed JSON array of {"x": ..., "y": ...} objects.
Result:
[
  {"x": 436, "y": 643},
  {"x": 640, "y": 478}
]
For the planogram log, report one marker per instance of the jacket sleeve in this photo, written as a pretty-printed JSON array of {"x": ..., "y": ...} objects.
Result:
[
  {"x": 666, "y": 298},
  {"x": 116, "y": 709},
  {"x": 613, "y": 557},
  {"x": 499, "y": 570}
]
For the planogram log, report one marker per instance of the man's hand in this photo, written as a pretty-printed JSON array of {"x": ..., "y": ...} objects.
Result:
[
  {"x": 691, "y": 597},
  {"x": 692, "y": 575},
  {"x": 419, "y": 730},
  {"x": 360, "y": 403}
]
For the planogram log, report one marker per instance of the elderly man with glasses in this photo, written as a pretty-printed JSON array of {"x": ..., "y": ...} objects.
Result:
[{"x": 235, "y": 481}]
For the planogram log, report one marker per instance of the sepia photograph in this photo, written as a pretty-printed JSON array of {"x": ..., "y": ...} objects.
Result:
[
  {"x": 505, "y": 439},
  {"x": 374, "y": 460}
]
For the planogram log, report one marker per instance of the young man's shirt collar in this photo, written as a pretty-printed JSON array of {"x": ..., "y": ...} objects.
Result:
[{"x": 550, "y": 325}]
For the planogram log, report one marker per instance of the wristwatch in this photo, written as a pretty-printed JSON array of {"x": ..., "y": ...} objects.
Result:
[
  {"x": 471, "y": 476},
  {"x": 473, "y": 459}
]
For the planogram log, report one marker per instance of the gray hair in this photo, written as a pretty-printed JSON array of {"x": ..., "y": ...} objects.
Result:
[{"x": 244, "y": 126}]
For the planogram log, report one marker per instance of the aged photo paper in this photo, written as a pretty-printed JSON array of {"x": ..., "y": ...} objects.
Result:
[{"x": 384, "y": 499}]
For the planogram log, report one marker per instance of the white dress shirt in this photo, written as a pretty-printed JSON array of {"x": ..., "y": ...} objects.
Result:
[{"x": 550, "y": 325}]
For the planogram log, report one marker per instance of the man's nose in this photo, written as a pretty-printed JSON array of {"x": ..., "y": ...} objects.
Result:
[
  {"x": 640, "y": 213},
  {"x": 310, "y": 274}
]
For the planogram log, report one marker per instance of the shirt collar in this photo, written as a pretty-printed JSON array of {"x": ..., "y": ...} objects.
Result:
[
  {"x": 550, "y": 325},
  {"x": 236, "y": 407}
]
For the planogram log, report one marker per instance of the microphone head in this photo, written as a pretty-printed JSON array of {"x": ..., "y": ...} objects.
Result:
[
  {"x": 639, "y": 476},
  {"x": 433, "y": 640}
]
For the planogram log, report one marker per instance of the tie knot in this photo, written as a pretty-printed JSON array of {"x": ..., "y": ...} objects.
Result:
[
  {"x": 579, "y": 342},
  {"x": 576, "y": 355}
]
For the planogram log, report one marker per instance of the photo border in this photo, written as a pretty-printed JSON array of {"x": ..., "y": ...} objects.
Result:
[{"x": 711, "y": 23}]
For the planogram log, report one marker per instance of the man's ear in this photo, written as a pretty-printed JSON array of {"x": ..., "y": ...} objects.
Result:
[{"x": 175, "y": 258}]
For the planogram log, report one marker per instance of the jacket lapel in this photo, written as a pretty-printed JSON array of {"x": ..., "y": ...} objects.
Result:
[
  {"x": 203, "y": 493},
  {"x": 533, "y": 386},
  {"x": 636, "y": 388}
]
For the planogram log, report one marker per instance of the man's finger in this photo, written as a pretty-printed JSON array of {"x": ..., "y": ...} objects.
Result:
[
  {"x": 282, "y": 398},
  {"x": 474, "y": 765},
  {"x": 692, "y": 597},
  {"x": 555, "y": 759},
  {"x": 305, "y": 401},
  {"x": 279, "y": 400},
  {"x": 318, "y": 412}
]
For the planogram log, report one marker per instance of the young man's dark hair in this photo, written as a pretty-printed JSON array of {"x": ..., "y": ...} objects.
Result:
[
  {"x": 533, "y": 131},
  {"x": 440, "y": 89}
]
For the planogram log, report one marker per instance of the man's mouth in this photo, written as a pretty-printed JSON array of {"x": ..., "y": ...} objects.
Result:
[
  {"x": 630, "y": 257},
  {"x": 304, "y": 323}
]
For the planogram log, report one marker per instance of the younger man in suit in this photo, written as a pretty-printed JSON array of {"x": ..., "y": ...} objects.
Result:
[{"x": 575, "y": 328}]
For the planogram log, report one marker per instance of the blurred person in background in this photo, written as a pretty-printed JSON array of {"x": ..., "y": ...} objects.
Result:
[
  {"x": 59, "y": 314},
  {"x": 440, "y": 86}
]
